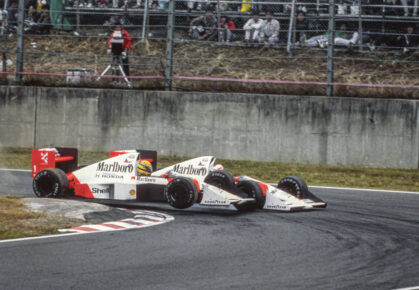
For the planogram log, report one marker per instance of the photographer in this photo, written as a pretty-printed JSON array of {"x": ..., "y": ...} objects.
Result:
[{"x": 119, "y": 33}]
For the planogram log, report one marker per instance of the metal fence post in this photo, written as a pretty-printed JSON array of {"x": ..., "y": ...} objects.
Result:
[
  {"x": 4, "y": 15},
  {"x": 145, "y": 16},
  {"x": 291, "y": 26},
  {"x": 19, "y": 56},
  {"x": 360, "y": 30},
  {"x": 3, "y": 33},
  {"x": 218, "y": 19},
  {"x": 168, "y": 71},
  {"x": 78, "y": 17},
  {"x": 330, "y": 48}
]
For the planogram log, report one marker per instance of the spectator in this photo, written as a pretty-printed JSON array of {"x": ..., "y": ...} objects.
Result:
[
  {"x": 224, "y": 5},
  {"x": 200, "y": 5},
  {"x": 408, "y": 40},
  {"x": 343, "y": 6},
  {"x": 204, "y": 27},
  {"x": 43, "y": 24},
  {"x": 406, "y": 7},
  {"x": 35, "y": 9},
  {"x": 301, "y": 27},
  {"x": 163, "y": 4},
  {"x": 112, "y": 22},
  {"x": 253, "y": 28},
  {"x": 342, "y": 38},
  {"x": 126, "y": 46},
  {"x": 270, "y": 29},
  {"x": 246, "y": 6},
  {"x": 227, "y": 29},
  {"x": 12, "y": 13}
]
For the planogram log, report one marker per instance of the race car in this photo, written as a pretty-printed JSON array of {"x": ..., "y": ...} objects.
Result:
[{"x": 56, "y": 173}]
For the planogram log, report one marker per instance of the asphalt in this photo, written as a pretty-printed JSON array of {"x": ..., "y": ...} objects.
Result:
[{"x": 363, "y": 240}]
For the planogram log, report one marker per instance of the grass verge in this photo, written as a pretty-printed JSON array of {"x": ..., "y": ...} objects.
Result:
[
  {"x": 16, "y": 221},
  {"x": 326, "y": 175}
]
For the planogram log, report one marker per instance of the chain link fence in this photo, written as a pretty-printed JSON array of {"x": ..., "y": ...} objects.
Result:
[{"x": 358, "y": 48}]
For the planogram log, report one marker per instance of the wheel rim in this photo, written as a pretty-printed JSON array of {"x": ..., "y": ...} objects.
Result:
[
  {"x": 45, "y": 185},
  {"x": 179, "y": 193},
  {"x": 289, "y": 188},
  {"x": 218, "y": 182},
  {"x": 250, "y": 193}
]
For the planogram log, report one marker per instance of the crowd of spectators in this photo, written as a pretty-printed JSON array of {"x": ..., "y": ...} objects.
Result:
[
  {"x": 262, "y": 27},
  {"x": 37, "y": 16},
  {"x": 344, "y": 7},
  {"x": 266, "y": 30}
]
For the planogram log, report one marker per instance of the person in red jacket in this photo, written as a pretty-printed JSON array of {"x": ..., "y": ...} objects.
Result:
[
  {"x": 227, "y": 29},
  {"x": 120, "y": 33}
]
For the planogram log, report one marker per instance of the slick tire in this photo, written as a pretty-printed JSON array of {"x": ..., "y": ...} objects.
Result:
[
  {"x": 250, "y": 189},
  {"x": 181, "y": 193},
  {"x": 294, "y": 185},
  {"x": 221, "y": 179},
  {"x": 50, "y": 183}
]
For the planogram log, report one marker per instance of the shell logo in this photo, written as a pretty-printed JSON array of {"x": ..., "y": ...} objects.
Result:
[{"x": 132, "y": 192}]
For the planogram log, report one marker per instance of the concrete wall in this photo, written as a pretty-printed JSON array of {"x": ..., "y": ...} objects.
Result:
[{"x": 318, "y": 130}]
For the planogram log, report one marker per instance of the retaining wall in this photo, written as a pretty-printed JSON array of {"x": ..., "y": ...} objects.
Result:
[{"x": 318, "y": 130}]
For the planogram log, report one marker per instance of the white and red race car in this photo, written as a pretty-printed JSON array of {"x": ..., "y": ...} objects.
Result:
[{"x": 56, "y": 174}]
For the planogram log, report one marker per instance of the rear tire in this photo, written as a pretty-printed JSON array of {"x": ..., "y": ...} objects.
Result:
[
  {"x": 294, "y": 185},
  {"x": 181, "y": 193},
  {"x": 250, "y": 189},
  {"x": 50, "y": 183}
]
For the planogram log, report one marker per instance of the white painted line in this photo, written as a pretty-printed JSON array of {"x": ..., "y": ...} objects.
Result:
[
  {"x": 363, "y": 189},
  {"x": 40, "y": 237},
  {"x": 409, "y": 288},
  {"x": 19, "y": 170},
  {"x": 357, "y": 189}
]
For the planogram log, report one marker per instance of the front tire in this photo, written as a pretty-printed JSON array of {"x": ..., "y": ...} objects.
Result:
[
  {"x": 181, "y": 193},
  {"x": 50, "y": 183},
  {"x": 294, "y": 185},
  {"x": 250, "y": 189}
]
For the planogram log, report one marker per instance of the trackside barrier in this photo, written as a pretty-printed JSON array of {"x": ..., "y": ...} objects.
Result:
[{"x": 259, "y": 81}]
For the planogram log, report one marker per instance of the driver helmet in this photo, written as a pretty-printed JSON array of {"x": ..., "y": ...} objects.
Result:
[{"x": 144, "y": 168}]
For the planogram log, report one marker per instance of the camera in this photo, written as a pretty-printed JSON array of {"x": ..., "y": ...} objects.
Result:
[{"x": 117, "y": 43}]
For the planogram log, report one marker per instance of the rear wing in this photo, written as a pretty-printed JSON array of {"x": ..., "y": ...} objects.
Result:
[
  {"x": 63, "y": 158},
  {"x": 66, "y": 159}
]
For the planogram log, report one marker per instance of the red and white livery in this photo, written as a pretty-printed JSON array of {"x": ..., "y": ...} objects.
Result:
[{"x": 56, "y": 173}]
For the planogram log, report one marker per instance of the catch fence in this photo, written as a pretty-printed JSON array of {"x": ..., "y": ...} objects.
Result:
[{"x": 352, "y": 48}]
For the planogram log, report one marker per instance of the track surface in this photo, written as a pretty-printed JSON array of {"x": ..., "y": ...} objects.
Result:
[{"x": 362, "y": 240}]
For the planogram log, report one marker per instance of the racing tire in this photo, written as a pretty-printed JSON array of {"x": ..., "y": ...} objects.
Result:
[
  {"x": 50, "y": 183},
  {"x": 251, "y": 189},
  {"x": 181, "y": 193},
  {"x": 221, "y": 179},
  {"x": 294, "y": 185}
]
